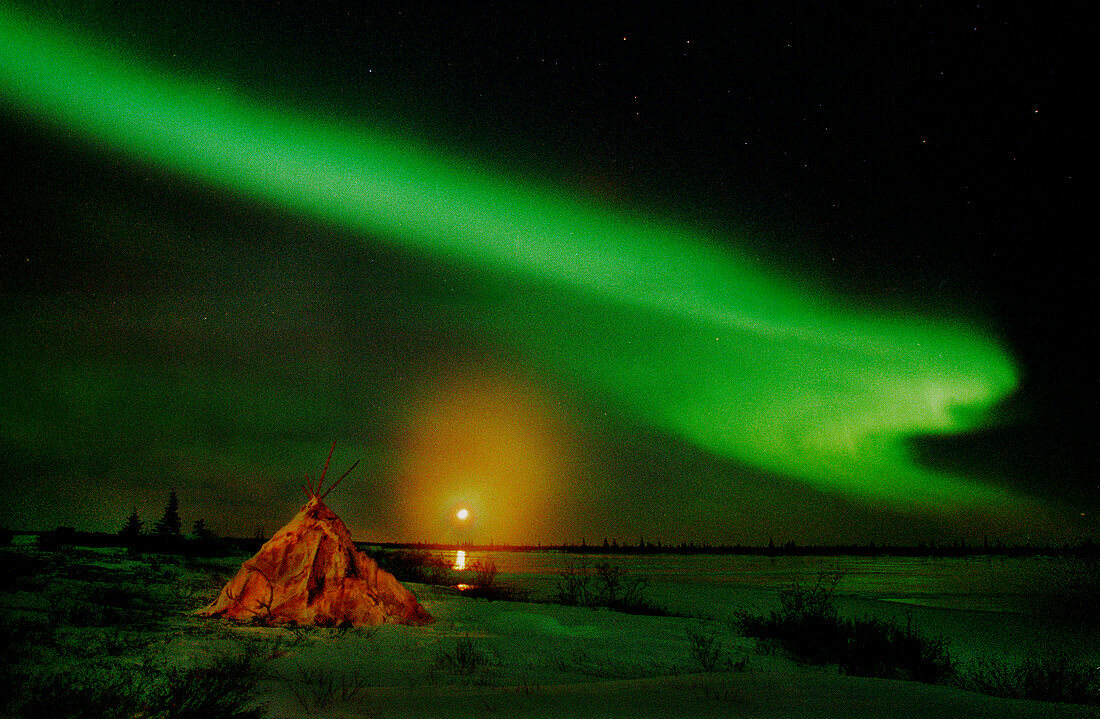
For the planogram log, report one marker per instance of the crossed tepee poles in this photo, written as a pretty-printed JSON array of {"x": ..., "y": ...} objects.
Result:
[{"x": 315, "y": 491}]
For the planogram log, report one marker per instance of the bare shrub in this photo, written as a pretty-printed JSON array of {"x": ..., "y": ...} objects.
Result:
[
  {"x": 464, "y": 657},
  {"x": 224, "y": 688},
  {"x": 485, "y": 573},
  {"x": 1051, "y": 677},
  {"x": 574, "y": 585},
  {"x": 582, "y": 658},
  {"x": 317, "y": 688},
  {"x": 414, "y": 566},
  {"x": 706, "y": 648},
  {"x": 605, "y": 585},
  {"x": 46, "y": 694},
  {"x": 808, "y": 627},
  {"x": 485, "y": 585}
]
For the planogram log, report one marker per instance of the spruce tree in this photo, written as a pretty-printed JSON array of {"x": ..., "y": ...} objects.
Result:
[
  {"x": 170, "y": 524},
  {"x": 200, "y": 530},
  {"x": 131, "y": 530}
]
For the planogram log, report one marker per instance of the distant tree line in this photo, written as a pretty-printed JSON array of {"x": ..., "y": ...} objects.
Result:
[
  {"x": 165, "y": 536},
  {"x": 960, "y": 548}
]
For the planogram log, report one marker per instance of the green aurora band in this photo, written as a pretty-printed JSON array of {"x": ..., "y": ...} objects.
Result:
[{"x": 686, "y": 336}]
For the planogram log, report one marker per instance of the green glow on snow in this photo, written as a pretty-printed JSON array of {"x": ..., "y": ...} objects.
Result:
[{"x": 684, "y": 334}]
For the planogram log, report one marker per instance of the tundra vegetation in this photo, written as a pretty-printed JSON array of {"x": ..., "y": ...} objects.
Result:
[
  {"x": 89, "y": 638},
  {"x": 808, "y": 628}
]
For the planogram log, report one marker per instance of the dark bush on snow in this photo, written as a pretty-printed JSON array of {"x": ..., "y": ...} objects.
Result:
[
  {"x": 485, "y": 585},
  {"x": 414, "y": 566},
  {"x": 1052, "y": 677},
  {"x": 224, "y": 688},
  {"x": 464, "y": 657},
  {"x": 808, "y": 628},
  {"x": 605, "y": 585}
]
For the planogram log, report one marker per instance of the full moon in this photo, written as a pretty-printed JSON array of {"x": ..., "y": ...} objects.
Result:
[{"x": 462, "y": 513}]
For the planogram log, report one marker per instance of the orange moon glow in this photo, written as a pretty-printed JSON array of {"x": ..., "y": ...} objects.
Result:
[{"x": 494, "y": 451}]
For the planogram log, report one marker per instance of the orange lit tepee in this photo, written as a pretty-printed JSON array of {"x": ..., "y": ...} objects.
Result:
[{"x": 311, "y": 573}]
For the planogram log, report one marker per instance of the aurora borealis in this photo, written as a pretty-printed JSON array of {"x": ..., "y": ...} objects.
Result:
[{"x": 577, "y": 303}]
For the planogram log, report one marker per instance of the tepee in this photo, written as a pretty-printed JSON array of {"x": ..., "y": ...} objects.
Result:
[{"x": 311, "y": 573}]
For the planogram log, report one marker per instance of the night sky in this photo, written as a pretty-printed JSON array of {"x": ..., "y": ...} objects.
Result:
[{"x": 815, "y": 272}]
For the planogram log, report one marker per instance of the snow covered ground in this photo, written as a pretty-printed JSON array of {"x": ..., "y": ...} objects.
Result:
[
  {"x": 553, "y": 661},
  {"x": 509, "y": 659}
]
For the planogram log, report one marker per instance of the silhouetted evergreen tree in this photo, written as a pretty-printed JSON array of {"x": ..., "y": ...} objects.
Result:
[
  {"x": 200, "y": 530},
  {"x": 170, "y": 524},
  {"x": 131, "y": 529}
]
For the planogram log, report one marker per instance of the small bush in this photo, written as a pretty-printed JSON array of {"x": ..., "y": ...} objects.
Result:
[
  {"x": 808, "y": 628},
  {"x": 464, "y": 658},
  {"x": 580, "y": 659},
  {"x": 76, "y": 695},
  {"x": 574, "y": 586},
  {"x": 806, "y": 624},
  {"x": 706, "y": 648},
  {"x": 226, "y": 688},
  {"x": 485, "y": 573},
  {"x": 414, "y": 566},
  {"x": 882, "y": 649},
  {"x": 1052, "y": 677},
  {"x": 605, "y": 585},
  {"x": 317, "y": 688},
  {"x": 485, "y": 584},
  {"x": 438, "y": 573}
]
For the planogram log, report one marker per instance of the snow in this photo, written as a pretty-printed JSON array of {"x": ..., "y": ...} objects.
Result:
[
  {"x": 546, "y": 660},
  {"x": 553, "y": 661}
]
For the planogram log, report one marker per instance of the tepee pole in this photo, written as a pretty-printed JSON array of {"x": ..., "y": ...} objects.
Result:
[
  {"x": 325, "y": 470},
  {"x": 341, "y": 479}
]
